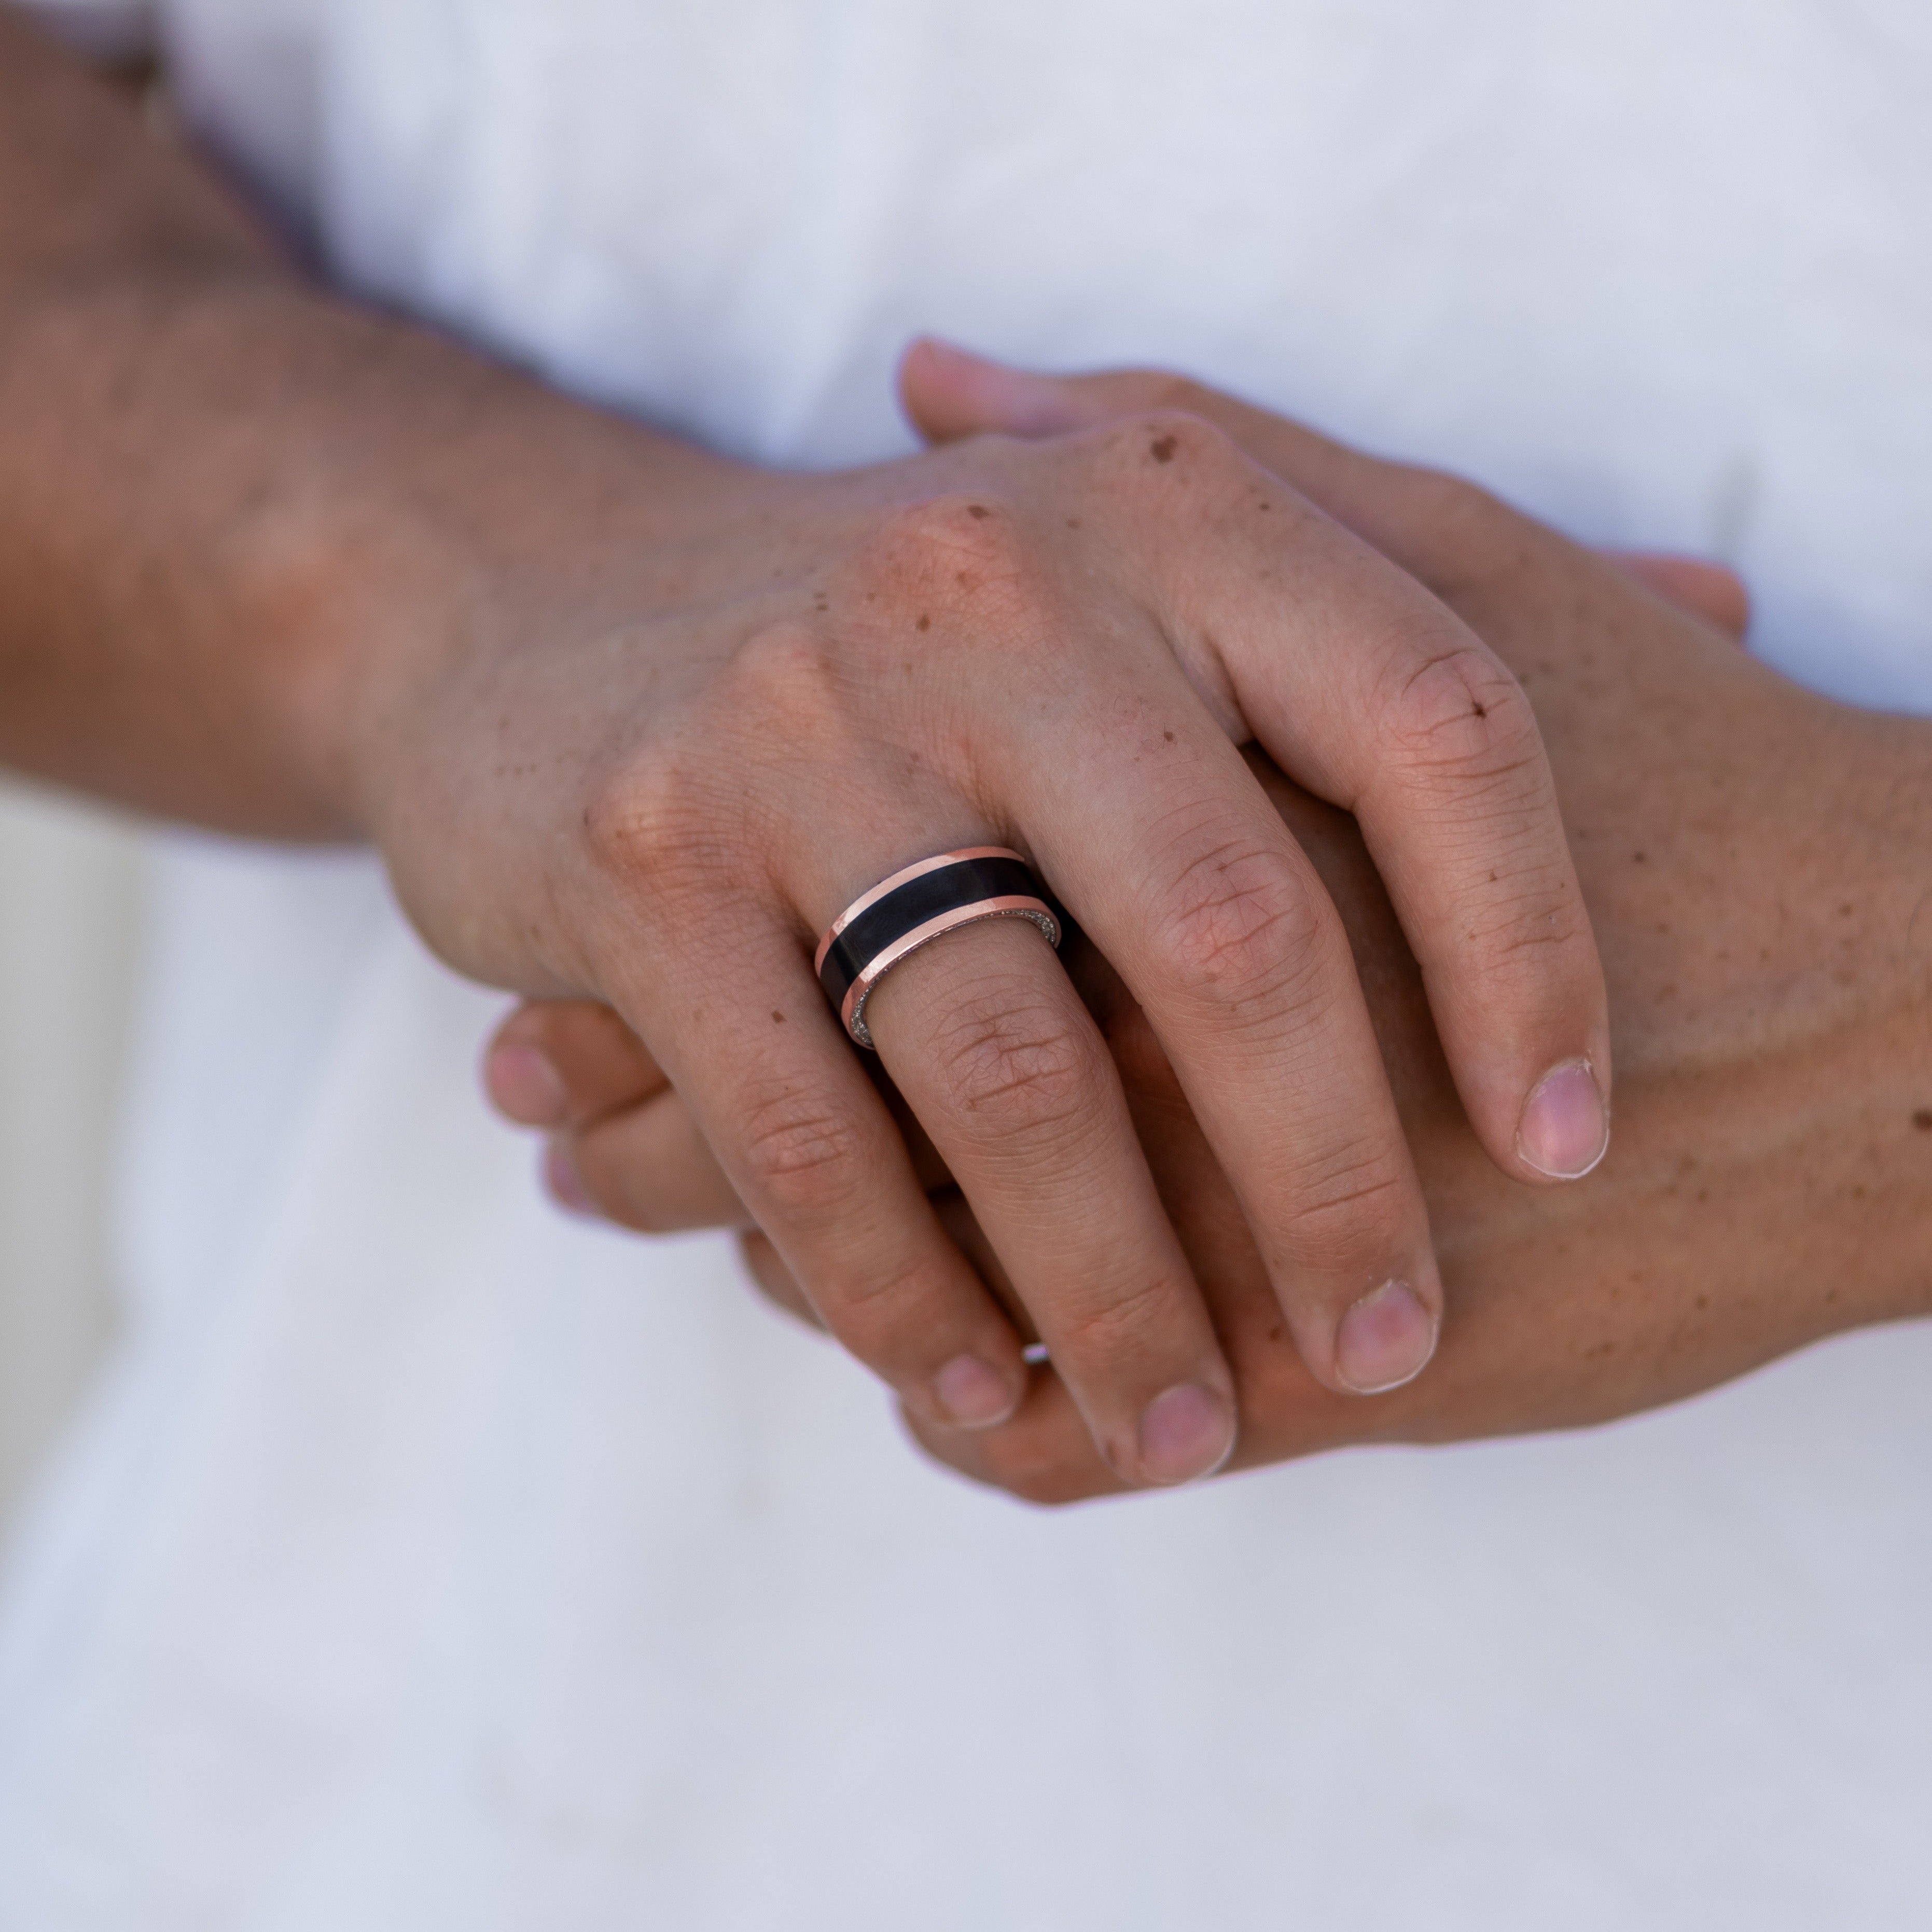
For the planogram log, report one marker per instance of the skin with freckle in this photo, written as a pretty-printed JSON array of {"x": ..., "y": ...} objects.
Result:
[
  {"x": 1767, "y": 1184},
  {"x": 631, "y": 720},
  {"x": 1754, "y": 859}
]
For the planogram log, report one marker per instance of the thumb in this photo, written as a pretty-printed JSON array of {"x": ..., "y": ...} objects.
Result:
[
  {"x": 1693, "y": 583},
  {"x": 949, "y": 392}
]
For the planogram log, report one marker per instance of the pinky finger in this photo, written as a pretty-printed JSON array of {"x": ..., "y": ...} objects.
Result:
[
  {"x": 779, "y": 1285},
  {"x": 1693, "y": 584}
]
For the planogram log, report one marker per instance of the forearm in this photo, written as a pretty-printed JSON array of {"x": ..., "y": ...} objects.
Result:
[
  {"x": 1822, "y": 1137},
  {"x": 1760, "y": 899},
  {"x": 236, "y": 515}
]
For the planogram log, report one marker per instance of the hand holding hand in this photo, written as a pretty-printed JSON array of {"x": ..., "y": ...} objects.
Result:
[
  {"x": 632, "y": 722},
  {"x": 1753, "y": 857},
  {"x": 656, "y": 776}
]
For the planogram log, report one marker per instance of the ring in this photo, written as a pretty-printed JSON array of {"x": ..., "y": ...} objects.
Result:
[{"x": 912, "y": 908}]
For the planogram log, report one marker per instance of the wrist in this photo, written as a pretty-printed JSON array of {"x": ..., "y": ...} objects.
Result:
[{"x": 457, "y": 523}]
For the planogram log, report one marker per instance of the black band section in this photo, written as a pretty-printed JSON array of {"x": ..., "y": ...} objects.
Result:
[{"x": 965, "y": 882}]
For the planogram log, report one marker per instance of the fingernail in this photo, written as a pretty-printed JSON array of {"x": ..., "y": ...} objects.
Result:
[
  {"x": 974, "y": 1394},
  {"x": 1565, "y": 1129},
  {"x": 524, "y": 1084},
  {"x": 565, "y": 1184},
  {"x": 1186, "y": 1433},
  {"x": 1384, "y": 1340}
]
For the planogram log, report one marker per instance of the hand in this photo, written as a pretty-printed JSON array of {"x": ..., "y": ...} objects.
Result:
[
  {"x": 1754, "y": 859},
  {"x": 632, "y": 722},
  {"x": 655, "y": 775}
]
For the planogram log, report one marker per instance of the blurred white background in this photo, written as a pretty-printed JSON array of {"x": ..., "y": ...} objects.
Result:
[{"x": 69, "y": 931}]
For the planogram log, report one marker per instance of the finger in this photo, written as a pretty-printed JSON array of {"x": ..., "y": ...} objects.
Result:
[
  {"x": 588, "y": 1051},
  {"x": 1398, "y": 713},
  {"x": 1178, "y": 853},
  {"x": 779, "y": 1286},
  {"x": 987, "y": 1040},
  {"x": 1419, "y": 518},
  {"x": 956, "y": 1217},
  {"x": 776, "y": 1281},
  {"x": 643, "y": 1164},
  {"x": 949, "y": 393},
  {"x": 1044, "y": 1455},
  {"x": 559, "y": 1063},
  {"x": 1693, "y": 584},
  {"x": 1155, "y": 834},
  {"x": 650, "y": 1168},
  {"x": 810, "y": 1149},
  {"x": 1190, "y": 885}
]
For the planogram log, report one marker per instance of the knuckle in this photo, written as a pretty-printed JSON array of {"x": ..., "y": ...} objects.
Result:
[
  {"x": 1455, "y": 713},
  {"x": 1169, "y": 442},
  {"x": 1153, "y": 391},
  {"x": 673, "y": 808},
  {"x": 964, "y": 562},
  {"x": 1122, "y": 1325},
  {"x": 791, "y": 698},
  {"x": 886, "y": 1319},
  {"x": 657, "y": 822},
  {"x": 802, "y": 1157},
  {"x": 1445, "y": 500},
  {"x": 1350, "y": 1211},
  {"x": 631, "y": 1207},
  {"x": 1175, "y": 395},
  {"x": 617, "y": 1189},
  {"x": 1240, "y": 929},
  {"x": 1541, "y": 913},
  {"x": 1012, "y": 1065}
]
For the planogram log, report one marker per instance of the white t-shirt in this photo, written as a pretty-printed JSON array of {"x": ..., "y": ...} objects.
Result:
[{"x": 429, "y": 1561}]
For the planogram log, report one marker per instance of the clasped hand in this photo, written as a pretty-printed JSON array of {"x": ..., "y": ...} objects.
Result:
[
  {"x": 1754, "y": 858},
  {"x": 1056, "y": 640}
]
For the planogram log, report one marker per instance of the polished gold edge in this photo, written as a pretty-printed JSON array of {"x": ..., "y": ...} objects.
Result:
[
  {"x": 1015, "y": 906},
  {"x": 899, "y": 878}
]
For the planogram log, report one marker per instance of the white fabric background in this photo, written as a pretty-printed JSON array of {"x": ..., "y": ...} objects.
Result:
[
  {"x": 428, "y": 1561},
  {"x": 69, "y": 915}
]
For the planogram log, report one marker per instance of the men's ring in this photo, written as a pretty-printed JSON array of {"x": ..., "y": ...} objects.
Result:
[{"x": 912, "y": 908}]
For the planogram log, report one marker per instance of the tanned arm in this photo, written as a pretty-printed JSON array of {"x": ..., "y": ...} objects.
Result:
[{"x": 232, "y": 506}]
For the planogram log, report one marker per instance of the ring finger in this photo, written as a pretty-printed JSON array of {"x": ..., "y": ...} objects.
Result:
[{"x": 989, "y": 1043}]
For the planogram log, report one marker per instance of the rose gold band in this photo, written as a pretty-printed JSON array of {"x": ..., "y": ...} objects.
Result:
[
  {"x": 899, "y": 878},
  {"x": 853, "y": 1013}
]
